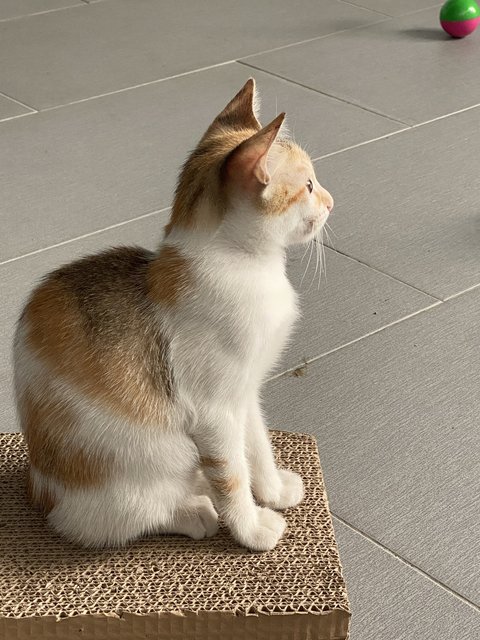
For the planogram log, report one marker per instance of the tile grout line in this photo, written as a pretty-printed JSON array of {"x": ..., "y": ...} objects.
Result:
[
  {"x": 19, "y": 115},
  {"x": 384, "y": 273},
  {"x": 22, "y": 104},
  {"x": 324, "y": 93},
  {"x": 80, "y": 3},
  {"x": 408, "y": 563},
  {"x": 355, "y": 340},
  {"x": 137, "y": 86},
  {"x": 394, "y": 133},
  {"x": 352, "y": 4},
  {"x": 192, "y": 71},
  {"x": 446, "y": 115},
  {"x": 85, "y": 235},
  {"x": 461, "y": 293},
  {"x": 361, "y": 144},
  {"x": 326, "y": 35}
]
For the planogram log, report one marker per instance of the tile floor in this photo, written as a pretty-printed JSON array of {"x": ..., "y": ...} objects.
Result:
[{"x": 100, "y": 102}]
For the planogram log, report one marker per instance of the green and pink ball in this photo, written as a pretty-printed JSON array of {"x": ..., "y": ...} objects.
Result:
[{"x": 459, "y": 18}]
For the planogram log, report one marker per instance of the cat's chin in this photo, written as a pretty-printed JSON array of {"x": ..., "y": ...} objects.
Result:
[
  {"x": 312, "y": 234},
  {"x": 304, "y": 239}
]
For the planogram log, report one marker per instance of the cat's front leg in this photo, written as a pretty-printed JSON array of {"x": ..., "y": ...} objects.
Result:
[
  {"x": 220, "y": 440},
  {"x": 273, "y": 487}
]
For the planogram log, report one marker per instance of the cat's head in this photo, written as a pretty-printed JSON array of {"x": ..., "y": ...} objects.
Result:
[{"x": 253, "y": 183}]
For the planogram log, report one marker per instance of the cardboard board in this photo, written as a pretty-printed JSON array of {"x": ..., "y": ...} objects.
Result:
[{"x": 171, "y": 587}]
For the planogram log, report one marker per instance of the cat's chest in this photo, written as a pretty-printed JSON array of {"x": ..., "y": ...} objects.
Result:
[
  {"x": 269, "y": 308},
  {"x": 275, "y": 307}
]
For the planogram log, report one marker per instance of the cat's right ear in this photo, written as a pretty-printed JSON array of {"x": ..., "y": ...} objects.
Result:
[
  {"x": 247, "y": 165},
  {"x": 240, "y": 111}
]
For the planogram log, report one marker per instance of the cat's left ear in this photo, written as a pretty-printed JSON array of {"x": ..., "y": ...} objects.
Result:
[
  {"x": 248, "y": 162},
  {"x": 240, "y": 111}
]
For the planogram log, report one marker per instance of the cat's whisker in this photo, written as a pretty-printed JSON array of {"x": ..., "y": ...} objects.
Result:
[
  {"x": 305, "y": 253},
  {"x": 327, "y": 229},
  {"x": 308, "y": 263},
  {"x": 319, "y": 262},
  {"x": 327, "y": 235},
  {"x": 324, "y": 261},
  {"x": 314, "y": 244}
]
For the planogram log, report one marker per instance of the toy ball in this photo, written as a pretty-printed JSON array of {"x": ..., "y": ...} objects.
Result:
[{"x": 459, "y": 18}]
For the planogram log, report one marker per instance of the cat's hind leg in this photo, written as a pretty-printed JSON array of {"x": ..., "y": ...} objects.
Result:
[
  {"x": 196, "y": 519},
  {"x": 120, "y": 512}
]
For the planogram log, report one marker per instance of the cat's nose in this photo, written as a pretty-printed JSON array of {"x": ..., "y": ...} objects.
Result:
[{"x": 327, "y": 200}]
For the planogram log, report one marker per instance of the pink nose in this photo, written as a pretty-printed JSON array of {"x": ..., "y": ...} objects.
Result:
[{"x": 327, "y": 200}]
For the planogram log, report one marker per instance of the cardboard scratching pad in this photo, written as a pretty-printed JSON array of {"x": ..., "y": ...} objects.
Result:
[{"x": 171, "y": 587}]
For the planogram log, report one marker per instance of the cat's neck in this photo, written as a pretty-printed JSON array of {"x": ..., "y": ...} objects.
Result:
[{"x": 237, "y": 239}]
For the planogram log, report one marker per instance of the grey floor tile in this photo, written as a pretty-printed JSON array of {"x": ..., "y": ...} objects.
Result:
[
  {"x": 111, "y": 45},
  {"x": 395, "y": 7},
  {"x": 10, "y": 108},
  {"x": 392, "y": 601},
  {"x": 396, "y": 416},
  {"x": 406, "y": 68},
  {"x": 348, "y": 302},
  {"x": 16, "y": 8},
  {"x": 408, "y": 205},
  {"x": 80, "y": 168}
]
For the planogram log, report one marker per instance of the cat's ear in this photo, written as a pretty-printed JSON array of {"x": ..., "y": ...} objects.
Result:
[
  {"x": 248, "y": 162},
  {"x": 240, "y": 111}
]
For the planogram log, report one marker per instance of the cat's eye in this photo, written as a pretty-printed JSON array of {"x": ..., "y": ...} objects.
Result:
[{"x": 309, "y": 186}]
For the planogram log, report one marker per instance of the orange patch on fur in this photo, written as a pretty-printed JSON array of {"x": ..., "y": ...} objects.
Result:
[
  {"x": 216, "y": 469},
  {"x": 201, "y": 181},
  {"x": 48, "y": 424},
  {"x": 213, "y": 463},
  {"x": 282, "y": 201},
  {"x": 115, "y": 374},
  {"x": 168, "y": 276},
  {"x": 41, "y": 498},
  {"x": 225, "y": 486}
]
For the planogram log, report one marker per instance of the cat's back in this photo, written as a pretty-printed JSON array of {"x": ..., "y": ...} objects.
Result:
[
  {"x": 109, "y": 283},
  {"x": 92, "y": 324}
]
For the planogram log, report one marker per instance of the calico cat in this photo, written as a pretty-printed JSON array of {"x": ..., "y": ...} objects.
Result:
[{"x": 138, "y": 374}]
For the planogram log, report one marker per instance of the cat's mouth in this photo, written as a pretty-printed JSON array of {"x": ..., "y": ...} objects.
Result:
[{"x": 315, "y": 224}]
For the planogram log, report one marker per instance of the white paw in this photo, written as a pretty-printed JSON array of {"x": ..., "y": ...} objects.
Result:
[
  {"x": 200, "y": 521},
  {"x": 207, "y": 514},
  {"x": 265, "y": 533},
  {"x": 284, "y": 491}
]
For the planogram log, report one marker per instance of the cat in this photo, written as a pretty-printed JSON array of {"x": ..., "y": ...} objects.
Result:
[{"x": 138, "y": 374}]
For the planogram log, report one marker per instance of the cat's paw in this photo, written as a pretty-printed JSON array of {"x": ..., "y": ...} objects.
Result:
[
  {"x": 200, "y": 521},
  {"x": 284, "y": 491},
  {"x": 207, "y": 514},
  {"x": 265, "y": 533}
]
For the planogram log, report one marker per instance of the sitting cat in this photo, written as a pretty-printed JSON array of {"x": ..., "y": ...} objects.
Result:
[{"x": 138, "y": 374}]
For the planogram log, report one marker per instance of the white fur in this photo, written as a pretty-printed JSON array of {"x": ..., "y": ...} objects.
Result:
[{"x": 224, "y": 338}]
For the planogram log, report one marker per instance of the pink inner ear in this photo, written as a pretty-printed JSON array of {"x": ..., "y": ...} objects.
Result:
[
  {"x": 248, "y": 164},
  {"x": 260, "y": 170}
]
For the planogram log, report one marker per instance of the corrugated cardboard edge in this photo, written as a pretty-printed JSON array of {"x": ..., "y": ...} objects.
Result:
[
  {"x": 188, "y": 625},
  {"x": 206, "y": 625}
]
